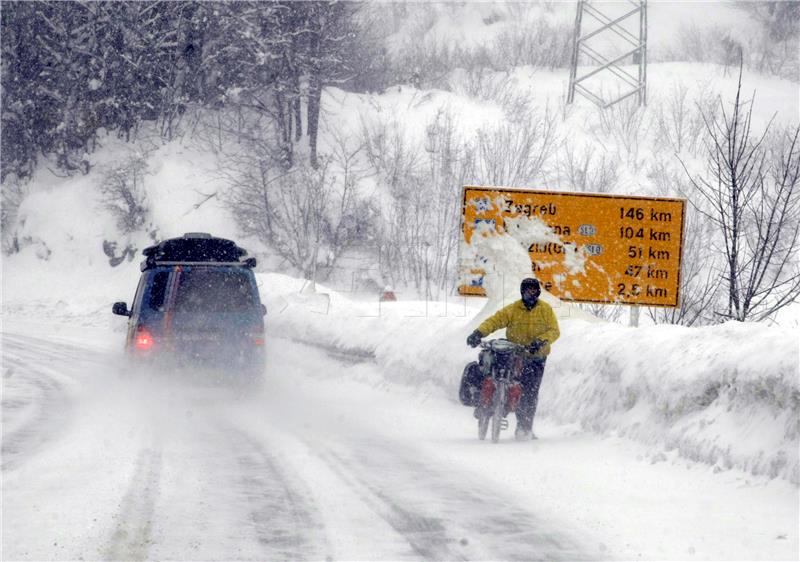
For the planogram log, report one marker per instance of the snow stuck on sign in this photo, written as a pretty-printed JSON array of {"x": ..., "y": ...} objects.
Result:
[{"x": 505, "y": 259}]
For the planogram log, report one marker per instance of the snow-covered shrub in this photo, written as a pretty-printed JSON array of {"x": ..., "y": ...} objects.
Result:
[
  {"x": 700, "y": 277},
  {"x": 705, "y": 44},
  {"x": 761, "y": 49},
  {"x": 419, "y": 236},
  {"x": 608, "y": 312},
  {"x": 679, "y": 118},
  {"x": 123, "y": 193},
  {"x": 424, "y": 51},
  {"x": 539, "y": 43},
  {"x": 484, "y": 84},
  {"x": 625, "y": 126},
  {"x": 515, "y": 153},
  {"x": 12, "y": 193},
  {"x": 310, "y": 216},
  {"x": 584, "y": 167},
  {"x": 388, "y": 152}
]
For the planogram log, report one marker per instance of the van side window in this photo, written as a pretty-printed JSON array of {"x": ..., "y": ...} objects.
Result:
[
  {"x": 158, "y": 290},
  {"x": 139, "y": 295}
]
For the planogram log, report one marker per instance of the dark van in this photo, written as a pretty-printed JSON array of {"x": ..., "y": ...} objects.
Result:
[{"x": 197, "y": 305}]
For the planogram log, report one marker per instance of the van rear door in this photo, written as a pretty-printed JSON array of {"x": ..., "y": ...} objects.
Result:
[{"x": 216, "y": 311}]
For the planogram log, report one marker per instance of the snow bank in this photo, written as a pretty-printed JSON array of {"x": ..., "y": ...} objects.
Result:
[{"x": 726, "y": 395}]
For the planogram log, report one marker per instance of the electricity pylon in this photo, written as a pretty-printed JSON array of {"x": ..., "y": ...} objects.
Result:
[{"x": 632, "y": 46}]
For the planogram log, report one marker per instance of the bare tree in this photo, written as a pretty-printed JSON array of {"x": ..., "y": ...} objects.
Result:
[
  {"x": 679, "y": 124},
  {"x": 11, "y": 196},
  {"x": 537, "y": 43},
  {"x": 582, "y": 168},
  {"x": 124, "y": 195},
  {"x": 515, "y": 153},
  {"x": 309, "y": 216},
  {"x": 776, "y": 47},
  {"x": 351, "y": 216},
  {"x": 607, "y": 312},
  {"x": 419, "y": 235},
  {"x": 751, "y": 196},
  {"x": 701, "y": 263},
  {"x": 626, "y": 125},
  {"x": 285, "y": 210},
  {"x": 700, "y": 279},
  {"x": 388, "y": 152}
]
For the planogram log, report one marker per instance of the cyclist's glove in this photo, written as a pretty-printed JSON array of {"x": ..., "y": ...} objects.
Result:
[
  {"x": 536, "y": 345},
  {"x": 474, "y": 338}
]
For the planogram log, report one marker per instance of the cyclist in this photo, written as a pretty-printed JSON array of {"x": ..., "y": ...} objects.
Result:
[{"x": 529, "y": 322}]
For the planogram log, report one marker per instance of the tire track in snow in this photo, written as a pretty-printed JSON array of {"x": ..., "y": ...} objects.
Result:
[
  {"x": 427, "y": 535},
  {"x": 41, "y": 348},
  {"x": 442, "y": 513},
  {"x": 37, "y": 373},
  {"x": 445, "y": 516},
  {"x": 131, "y": 538},
  {"x": 41, "y": 412},
  {"x": 281, "y": 510}
]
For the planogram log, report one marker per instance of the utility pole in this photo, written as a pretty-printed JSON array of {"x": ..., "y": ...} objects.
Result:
[{"x": 629, "y": 45}]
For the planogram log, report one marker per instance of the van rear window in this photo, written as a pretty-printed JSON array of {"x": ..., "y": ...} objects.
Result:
[{"x": 214, "y": 289}]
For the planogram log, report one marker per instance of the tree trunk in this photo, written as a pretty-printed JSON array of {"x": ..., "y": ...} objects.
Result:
[
  {"x": 314, "y": 102},
  {"x": 298, "y": 115},
  {"x": 285, "y": 123}
]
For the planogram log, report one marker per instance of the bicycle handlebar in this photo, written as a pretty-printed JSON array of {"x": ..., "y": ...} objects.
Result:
[{"x": 487, "y": 344}]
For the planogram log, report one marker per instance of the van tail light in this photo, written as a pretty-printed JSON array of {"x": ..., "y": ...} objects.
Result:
[
  {"x": 257, "y": 338},
  {"x": 143, "y": 341}
]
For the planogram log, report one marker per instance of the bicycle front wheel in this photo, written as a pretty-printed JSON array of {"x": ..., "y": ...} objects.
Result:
[{"x": 498, "y": 410}]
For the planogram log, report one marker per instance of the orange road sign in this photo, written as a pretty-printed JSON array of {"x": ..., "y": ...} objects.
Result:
[{"x": 595, "y": 247}]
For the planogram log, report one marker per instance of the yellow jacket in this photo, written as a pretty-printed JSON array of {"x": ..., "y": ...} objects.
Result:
[{"x": 523, "y": 325}]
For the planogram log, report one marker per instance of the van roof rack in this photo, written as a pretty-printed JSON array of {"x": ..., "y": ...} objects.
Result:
[{"x": 195, "y": 248}]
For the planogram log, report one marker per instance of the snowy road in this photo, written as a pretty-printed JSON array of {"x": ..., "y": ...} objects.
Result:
[{"x": 327, "y": 461}]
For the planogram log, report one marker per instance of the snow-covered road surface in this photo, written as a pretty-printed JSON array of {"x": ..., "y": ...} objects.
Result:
[{"x": 328, "y": 461}]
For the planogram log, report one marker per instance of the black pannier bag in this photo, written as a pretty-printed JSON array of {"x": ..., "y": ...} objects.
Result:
[{"x": 471, "y": 382}]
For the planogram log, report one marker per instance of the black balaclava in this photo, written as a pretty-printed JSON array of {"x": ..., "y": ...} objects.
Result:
[{"x": 530, "y": 290}]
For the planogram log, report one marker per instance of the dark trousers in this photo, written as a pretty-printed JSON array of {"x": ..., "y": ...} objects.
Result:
[{"x": 530, "y": 380}]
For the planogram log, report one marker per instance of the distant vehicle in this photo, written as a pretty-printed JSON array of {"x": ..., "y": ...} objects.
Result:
[{"x": 197, "y": 306}]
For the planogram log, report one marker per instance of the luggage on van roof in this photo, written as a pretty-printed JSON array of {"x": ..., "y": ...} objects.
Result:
[{"x": 195, "y": 247}]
